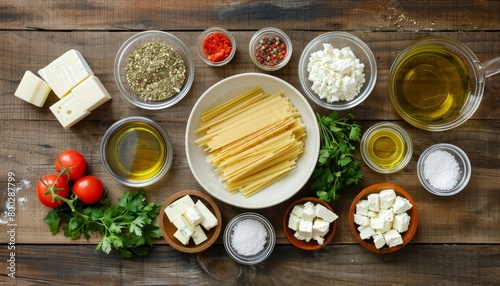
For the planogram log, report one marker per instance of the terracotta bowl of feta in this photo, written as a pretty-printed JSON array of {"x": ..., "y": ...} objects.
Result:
[
  {"x": 309, "y": 223},
  {"x": 190, "y": 221},
  {"x": 383, "y": 218}
]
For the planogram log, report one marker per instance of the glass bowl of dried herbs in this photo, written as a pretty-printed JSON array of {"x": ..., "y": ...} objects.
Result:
[{"x": 154, "y": 70}]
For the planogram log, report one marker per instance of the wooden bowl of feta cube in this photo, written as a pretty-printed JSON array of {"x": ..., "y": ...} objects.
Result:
[
  {"x": 383, "y": 218},
  {"x": 309, "y": 223},
  {"x": 190, "y": 221}
]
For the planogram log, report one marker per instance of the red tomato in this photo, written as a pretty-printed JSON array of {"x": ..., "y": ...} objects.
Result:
[
  {"x": 43, "y": 190},
  {"x": 73, "y": 161},
  {"x": 89, "y": 189}
]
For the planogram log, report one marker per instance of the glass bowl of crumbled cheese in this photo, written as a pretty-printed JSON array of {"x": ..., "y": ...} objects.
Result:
[
  {"x": 154, "y": 70},
  {"x": 249, "y": 238},
  {"x": 337, "y": 70},
  {"x": 444, "y": 169}
]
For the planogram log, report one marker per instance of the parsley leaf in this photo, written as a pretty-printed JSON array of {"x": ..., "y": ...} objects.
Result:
[
  {"x": 336, "y": 168},
  {"x": 128, "y": 227}
]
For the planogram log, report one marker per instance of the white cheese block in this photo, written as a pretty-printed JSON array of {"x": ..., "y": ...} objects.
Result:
[
  {"x": 362, "y": 207},
  {"x": 320, "y": 228},
  {"x": 365, "y": 232},
  {"x": 181, "y": 222},
  {"x": 319, "y": 239},
  {"x": 393, "y": 238},
  {"x": 374, "y": 202},
  {"x": 401, "y": 205},
  {"x": 377, "y": 223},
  {"x": 361, "y": 220},
  {"x": 198, "y": 235},
  {"x": 401, "y": 222},
  {"x": 33, "y": 89},
  {"x": 298, "y": 210},
  {"x": 309, "y": 212},
  {"x": 293, "y": 222},
  {"x": 178, "y": 207},
  {"x": 181, "y": 237},
  {"x": 386, "y": 215},
  {"x": 378, "y": 239},
  {"x": 66, "y": 72},
  {"x": 68, "y": 111},
  {"x": 305, "y": 228},
  {"x": 193, "y": 216},
  {"x": 387, "y": 226},
  {"x": 91, "y": 93},
  {"x": 209, "y": 219},
  {"x": 324, "y": 213},
  {"x": 387, "y": 197}
]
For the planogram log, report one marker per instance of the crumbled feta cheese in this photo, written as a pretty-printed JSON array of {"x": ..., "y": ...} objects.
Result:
[{"x": 336, "y": 74}]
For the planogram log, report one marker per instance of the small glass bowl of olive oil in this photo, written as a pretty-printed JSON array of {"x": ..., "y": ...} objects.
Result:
[
  {"x": 386, "y": 147},
  {"x": 136, "y": 151}
]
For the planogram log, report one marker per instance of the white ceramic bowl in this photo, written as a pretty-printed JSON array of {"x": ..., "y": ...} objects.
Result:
[{"x": 277, "y": 192}]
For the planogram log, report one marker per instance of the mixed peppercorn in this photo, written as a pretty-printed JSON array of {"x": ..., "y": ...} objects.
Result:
[{"x": 270, "y": 51}]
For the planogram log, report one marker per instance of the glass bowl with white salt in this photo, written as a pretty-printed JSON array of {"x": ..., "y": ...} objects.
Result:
[
  {"x": 337, "y": 70},
  {"x": 444, "y": 169},
  {"x": 249, "y": 238}
]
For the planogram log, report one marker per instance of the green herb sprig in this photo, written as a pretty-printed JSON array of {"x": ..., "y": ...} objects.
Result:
[
  {"x": 337, "y": 167},
  {"x": 129, "y": 226}
]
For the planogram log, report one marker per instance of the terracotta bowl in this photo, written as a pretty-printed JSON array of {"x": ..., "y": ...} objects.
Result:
[
  {"x": 312, "y": 244},
  {"x": 407, "y": 235},
  {"x": 168, "y": 229}
]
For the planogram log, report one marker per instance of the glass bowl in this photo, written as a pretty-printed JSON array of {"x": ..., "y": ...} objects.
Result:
[
  {"x": 209, "y": 33},
  {"x": 339, "y": 40},
  {"x": 462, "y": 164},
  {"x": 312, "y": 244},
  {"x": 262, "y": 254},
  {"x": 134, "y": 43},
  {"x": 256, "y": 54},
  {"x": 126, "y": 161},
  {"x": 386, "y": 147},
  {"x": 407, "y": 236},
  {"x": 168, "y": 229}
]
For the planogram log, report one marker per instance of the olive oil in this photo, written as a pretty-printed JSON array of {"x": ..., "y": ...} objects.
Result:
[
  {"x": 430, "y": 84},
  {"x": 137, "y": 151},
  {"x": 385, "y": 148}
]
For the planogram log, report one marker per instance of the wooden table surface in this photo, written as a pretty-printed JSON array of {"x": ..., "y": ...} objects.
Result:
[{"x": 458, "y": 239}]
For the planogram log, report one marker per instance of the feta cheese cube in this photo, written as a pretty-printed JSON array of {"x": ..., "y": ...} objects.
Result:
[
  {"x": 306, "y": 228},
  {"x": 401, "y": 205},
  {"x": 374, "y": 202},
  {"x": 372, "y": 214},
  {"x": 193, "y": 216},
  {"x": 365, "y": 232},
  {"x": 179, "y": 207},
  {"x": 320, "y": 227},
  {"x": 33, "y": 89},
  {"x": 324, "y": 213},
  {"x": 198, "y": 235},
  {"x": 378, "y": 240},
  {"x": 68, "y": 111},
  {"x": 298, "y": 210},
  {"x": 319, "y": 239},
  {"x": 401, "y": 222},
  {"x": 393, "y": 238},
  {"x": 362, "y": 207},
  {"x": 387, "y": 197},
  {"x": 309, "y": 212},
  {"x": 377, "y": 223},
  {"x": 181, "y": 222},
  {"x": 361, "y": 220},
  {"x": 91, "y": 93},
  {"x": 209, "y": 219},
  {"x": 387, "y": 226},
  {"x": 386, "y": 215},
  {"x": 293, "y": 222},
  {"x": 298, "y": 235},
  {"x": 181, "y": 237}
]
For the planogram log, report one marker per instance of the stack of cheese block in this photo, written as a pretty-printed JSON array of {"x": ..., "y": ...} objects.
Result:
[
  {"x": 311, "y": 221},
  {"x": 188, "y": 217},
  {"x": 382, "y": 216},
  {"x": 72, "y": 80}
]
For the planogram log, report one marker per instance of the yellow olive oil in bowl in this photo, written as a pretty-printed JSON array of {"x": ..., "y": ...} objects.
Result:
[
  {"x": 136, "y": 151},
  {"x": 386, "y": 147}
]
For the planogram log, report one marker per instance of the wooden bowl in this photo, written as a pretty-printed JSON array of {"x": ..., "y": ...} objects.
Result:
[
  {"x": 168, "y": 229},
  {"x": 407, "y": 235},
  {"x": 312, "y": 244}
]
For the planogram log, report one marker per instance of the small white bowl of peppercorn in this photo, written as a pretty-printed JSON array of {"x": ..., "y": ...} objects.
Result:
[
  {"x": 154, "y": 70},
  {"x": 270, "y": 49}
]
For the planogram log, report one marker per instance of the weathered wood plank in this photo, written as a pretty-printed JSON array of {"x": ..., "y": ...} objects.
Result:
[
  {"x": 243, "y": 15},
  {"x": 334, "y": 265}
]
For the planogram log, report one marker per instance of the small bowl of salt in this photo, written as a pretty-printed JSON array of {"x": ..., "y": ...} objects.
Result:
[
  {"x": 444, "y": 169},
  {"x": 249, "y": 238}
]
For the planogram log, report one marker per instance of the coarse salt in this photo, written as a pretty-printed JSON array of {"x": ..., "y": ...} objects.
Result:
[
  {"x": 441, "y": 169},
  {"x": 249, "y": 237}
]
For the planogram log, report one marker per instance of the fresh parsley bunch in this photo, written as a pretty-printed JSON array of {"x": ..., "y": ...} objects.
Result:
[
  {"x": 336, "y": 168},
  {"x": 129, "y": 226}
]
